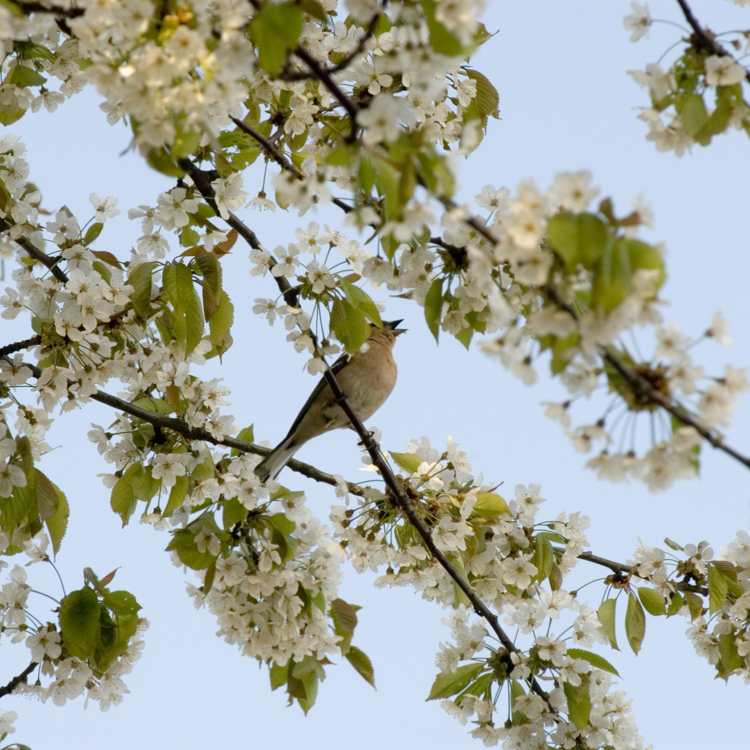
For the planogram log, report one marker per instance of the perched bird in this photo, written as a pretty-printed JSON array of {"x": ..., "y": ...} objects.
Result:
[{"x": 367, "y": 378}]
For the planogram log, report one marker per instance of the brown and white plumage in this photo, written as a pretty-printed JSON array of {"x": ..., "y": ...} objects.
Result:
[{"x": 367, "y": 378}]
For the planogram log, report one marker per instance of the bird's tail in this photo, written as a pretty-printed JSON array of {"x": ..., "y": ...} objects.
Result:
[{"x": 270, "y": 467}]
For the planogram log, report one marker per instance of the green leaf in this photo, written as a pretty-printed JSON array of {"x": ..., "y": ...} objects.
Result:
[
  {"x": 543, "y": 557},
  {"x": 594, "y": 659},
  {"x": 178, "y": 284},
  {"x": 210, "y": 268},
  {"x": 635, "y": 623},
  {"x": 92, "y": 233},
  {"x": 10, "y": 113},
  {"x": 730, "y": 657},
  {"x": 433, "y": 307},
  {"x": 278, "y": 675},
  {"x": 23, "y": 76},
  {"x": 220, "y": 323},
  {"x": 358, "y": 298},
  {"x": 490, "y": 505},
  {"x": 675, "y": 604},
  {"x": 275, "y": 29},
  {"x": 47, "y": 497},
  {"x": 140, "y": 278},
  {"x": 361, "y": 662},
  {"x": 57, "y": 525},
  {"x": 12, "y": 7},
  {"x": 183, "y": 542},
  {"x": 441, "y": 39},
  {"x": 155, "y": 405},
  {"x": 487, "y": 98},
  {"x": 516, "y": 691},
  {"x": 718, "y": 586},
  {"x": 577, "y": 238},
  {"x": 354, "y": 330},
  {"x": 79, "y": 621},
  {"x": 645, "y": 256},
  {"x": 344, "y": 614},
  {"x": 695, "y": 604},
  {"x": 194, "y": 323},
  {"x": 653, "y": 602},
  {"x": 177, "y": 495},
  {"x": 408, "y": 461},
  {"x": 579, "y": 702},
  {"x": 233, "y": 511},
  {"x": 693, "y": 114},
  {"x": 162, "y": 161},
  {"x": 718, "y": 120},
  {"x": 613, "y": 273},
  {"x": 606, "y": 615},
  {"x": 123, "y": 500},
  {"x": 449, "y": 683}
]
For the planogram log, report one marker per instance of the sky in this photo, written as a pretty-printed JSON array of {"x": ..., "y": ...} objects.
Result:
[{"x": 566, "y": 103}]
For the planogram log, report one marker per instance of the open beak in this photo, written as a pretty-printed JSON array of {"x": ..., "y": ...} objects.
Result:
[{"x": 392, "y": 325}]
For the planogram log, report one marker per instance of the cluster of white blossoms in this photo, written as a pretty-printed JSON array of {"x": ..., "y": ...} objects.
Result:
[
  {"x": 677, "y": 129},
  {"x": 272, "y": 603},
  {"x": 721, "y": 632},
  {"x": 496, "y": 545},
  {"x": 57, "y": 677}
]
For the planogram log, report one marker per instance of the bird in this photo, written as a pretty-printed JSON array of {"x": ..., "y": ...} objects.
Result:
[{"x": 367, "y": 379}]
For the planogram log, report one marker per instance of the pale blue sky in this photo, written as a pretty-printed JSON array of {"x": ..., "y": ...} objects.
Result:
[{"x": 566, "y": 104}]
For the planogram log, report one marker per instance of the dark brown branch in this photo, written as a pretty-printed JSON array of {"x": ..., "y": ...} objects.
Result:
[
  {"x": 164, "y": 422},
  {"x": 202, "y": 180},
  {"x": 349, "y": 59},
  {"x": 644, "y": 389},
  {"x": 36, "y": 253},
  {"x": 627, "y": 570},
  {"x": 19, "y": 346},
  {"x": 406, "y": 506},
  {"x": 270, "y": 149},
  {"x": 325, "y": 77},
  {"x": 641, "y": 386},
  {"x": 51, "y": 9},
  {"x": 17, "y": 680},
  {"x": 703, "y": 38}
]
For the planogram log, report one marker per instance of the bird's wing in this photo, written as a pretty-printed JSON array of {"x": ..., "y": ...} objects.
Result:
[{"x": 336, "y": 368}]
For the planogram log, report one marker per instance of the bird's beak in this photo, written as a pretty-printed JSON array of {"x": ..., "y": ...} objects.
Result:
[{"x": 392, "y": 325}]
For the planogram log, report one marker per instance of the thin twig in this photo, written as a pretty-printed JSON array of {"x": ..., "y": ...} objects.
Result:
[
  {"x": 51, "y": 9},
  {"x": 270, "y": 149},
  {"x": 36, "y": 253},
  {"x": 202, "y": 180},
  {"x": 17, "y": 680},
  {"x": 644, "y": 389},
  {"x": 702, "y": 38},
  {"x": 19, "y": 346},
  {"x": 324, "y": 76},
  {"x": 622, "y": 569},
  {"x": 349, "y": 59}
]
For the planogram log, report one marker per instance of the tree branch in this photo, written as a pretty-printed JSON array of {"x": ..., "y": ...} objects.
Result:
[
  {"x": 202, "y": 180},
  {"x": 17, "y": 680},
  {"x": 36, "y": 253},
  {"x": 325, "y": 77},
  {"x": 347, "y": 61},
  {"x": 20, "y": 346},
  {"x": 703, "y": 38},
  {"x": 406, "y": 506},
  {"x": 52, "y": 9},
  {"x": 627, "y": 570},
  {"x": 181, "y": 427},
  {"x": 641, "y": 386},
  {"x": 270, "y": 149}
]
